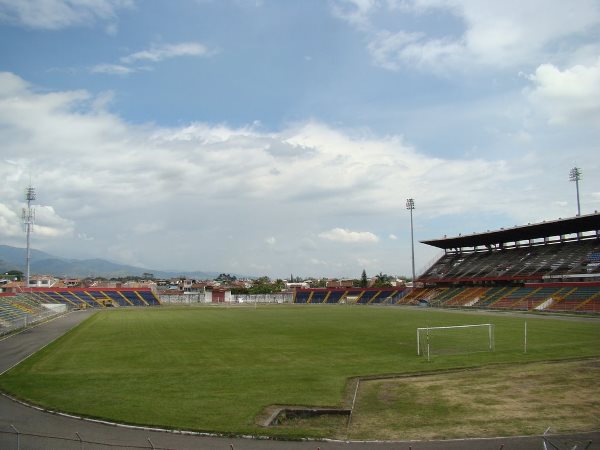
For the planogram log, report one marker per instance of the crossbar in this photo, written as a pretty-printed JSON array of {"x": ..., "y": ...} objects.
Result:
[
  {"x": 427, "y": 329},
  {"x": 456, "y": 326}
]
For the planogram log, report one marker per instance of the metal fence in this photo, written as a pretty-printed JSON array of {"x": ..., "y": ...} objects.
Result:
[
  {"x": 16, "y": 324},
  {"x": 18, "y": 440},
  {"x": 15, "y": 439}
]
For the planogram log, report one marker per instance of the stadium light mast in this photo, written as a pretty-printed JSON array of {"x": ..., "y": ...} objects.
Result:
[
  {"x": 575, "y": 175},
  {"x": 28, "y": 216},
  {"x": 410, "y": 205}
]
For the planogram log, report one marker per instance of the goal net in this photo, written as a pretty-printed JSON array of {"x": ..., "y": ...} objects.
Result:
[{"x": 455, "y": 339}]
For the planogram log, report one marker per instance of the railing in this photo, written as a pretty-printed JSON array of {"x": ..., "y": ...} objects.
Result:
[
  {"x": 11, "y": 325},
  {"x": 18, "y": 440}
]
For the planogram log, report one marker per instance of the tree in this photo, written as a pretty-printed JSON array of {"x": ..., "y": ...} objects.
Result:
[
  {"x": 263, "y": 285},
  {"x": 15, "y": 274},
  {"x": 383, "y": 280},
  {"x": 226, "y": 278},
  {"x": 320, "y": 283},
  {"x": 363, "y": 279}
]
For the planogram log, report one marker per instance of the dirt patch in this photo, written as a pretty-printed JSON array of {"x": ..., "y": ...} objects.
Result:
[{"x": 503, "y": 400}]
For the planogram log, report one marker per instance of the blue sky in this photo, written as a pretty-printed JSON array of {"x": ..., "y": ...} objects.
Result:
[{"x": 277, "y": 137}]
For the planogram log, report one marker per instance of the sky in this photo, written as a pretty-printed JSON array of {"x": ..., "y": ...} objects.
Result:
[{"x": 279, "y": 137}]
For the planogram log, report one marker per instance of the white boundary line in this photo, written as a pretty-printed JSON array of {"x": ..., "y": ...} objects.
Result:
[{"x": 352, "y": 407}]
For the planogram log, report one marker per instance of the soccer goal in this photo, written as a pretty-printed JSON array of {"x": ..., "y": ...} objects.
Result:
[{"x": 455, "y": 339}]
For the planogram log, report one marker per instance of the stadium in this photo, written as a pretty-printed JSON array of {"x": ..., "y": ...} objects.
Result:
[{"x": 498, "y": 337}]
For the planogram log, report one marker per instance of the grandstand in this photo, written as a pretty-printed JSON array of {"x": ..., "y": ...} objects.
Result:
[
  {"x": 36, "y": 304},
  {"x": 95, "y": 297},
  {"x": 552, "y": 266},
  {"x": 362, "y": 296}
]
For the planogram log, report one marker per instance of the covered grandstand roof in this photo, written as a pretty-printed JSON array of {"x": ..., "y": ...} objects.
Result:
[{"x": 560, "y": 227}]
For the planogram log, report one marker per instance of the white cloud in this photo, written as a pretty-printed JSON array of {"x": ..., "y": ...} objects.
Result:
[
  {"x": 393, "y": 237},
  {"x": 396, "y": 50},
  {"x": 48, "y": 223},
  {"x": 58, "y": 14},
  {"x": 493, "y": 34},
  {"x": 344, "y": 235},
  {"x": 366, "y": 262},
  {"x": 189, "y": 189},
  {"x": 318, "y": 262},
  {"x": 10, "y": 222},
  {"x": 161, "y": 52},
  {"x": 356, "y": 12},
  {"x": 112, "y": 69},
  {"x": 570, "y": 95},
  {"x": 155, "y": 54},
  {"x": 148, "y": 227}
]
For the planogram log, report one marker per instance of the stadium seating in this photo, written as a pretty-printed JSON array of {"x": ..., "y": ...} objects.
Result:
[
  {"x": 576, "y": 297},
  {"x": 553, "y": 265},
  {"x": 349, "y": 295},
  {"x": 318, "y": 297},
  {"x": 334, "y": 296},
  {"x": 519, "y": 263},
  {"x": 302, "y": 296},
  {"x": 20, "y": 310},
  {"x": 95, "y": 297}
]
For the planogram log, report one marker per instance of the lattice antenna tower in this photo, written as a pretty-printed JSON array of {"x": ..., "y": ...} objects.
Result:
[
  {"x": 28, "y": 216},
  {"x": 410, "y": 205}
]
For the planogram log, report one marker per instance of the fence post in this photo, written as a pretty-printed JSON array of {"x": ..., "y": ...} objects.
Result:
[
  {"x": 80, "y": 440},
  {"x": 18, "y": 437}
]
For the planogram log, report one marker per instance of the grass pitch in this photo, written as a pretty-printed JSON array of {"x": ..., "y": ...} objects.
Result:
[{"x": 216, "y": 369}]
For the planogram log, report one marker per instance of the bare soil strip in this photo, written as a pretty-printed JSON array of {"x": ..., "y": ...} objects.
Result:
[{"x": 504, "y": 400}]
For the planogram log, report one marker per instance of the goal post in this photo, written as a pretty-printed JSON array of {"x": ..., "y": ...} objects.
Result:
[{"x": 455, "y": 339}]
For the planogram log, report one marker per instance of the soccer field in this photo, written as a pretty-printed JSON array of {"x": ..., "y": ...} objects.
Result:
[{"x": 217, "y": 368}]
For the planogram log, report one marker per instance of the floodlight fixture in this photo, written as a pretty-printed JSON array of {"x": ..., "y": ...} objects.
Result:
[
  {"x": 410, "y": 205},
  {"x": 575, "y": 175}
]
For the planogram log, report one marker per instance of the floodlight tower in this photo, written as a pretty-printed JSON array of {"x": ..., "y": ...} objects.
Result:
[
  {"x": 575, "y": 175},
  {"x": 28, "y": 216},
  {"x": 410, "y": 205}
]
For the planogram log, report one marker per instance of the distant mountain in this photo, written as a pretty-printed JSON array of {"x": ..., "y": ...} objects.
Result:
[
  {"x": 12, "y": 254},
  {"x": 13, "y": 258}
]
